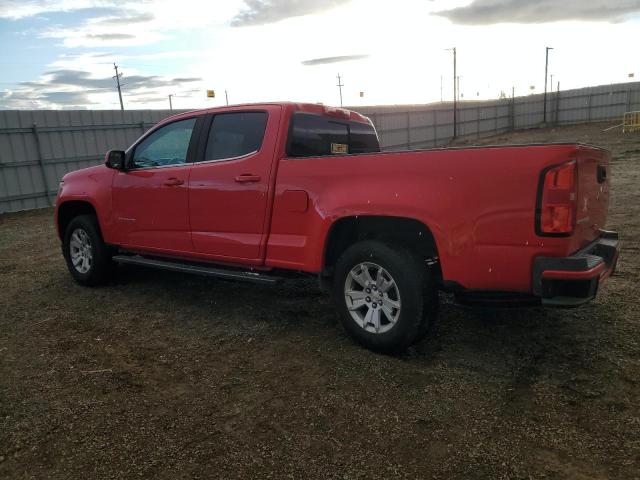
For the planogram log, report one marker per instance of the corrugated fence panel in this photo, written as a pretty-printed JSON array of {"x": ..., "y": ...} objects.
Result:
[{"x": 38, "y": 147}]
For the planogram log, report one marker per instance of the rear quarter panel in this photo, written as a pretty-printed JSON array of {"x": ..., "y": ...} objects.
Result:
[{"x": 479, "y": 204}]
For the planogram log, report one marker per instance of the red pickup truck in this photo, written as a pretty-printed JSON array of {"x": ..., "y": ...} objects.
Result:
[{"x": 260, "y": 192}]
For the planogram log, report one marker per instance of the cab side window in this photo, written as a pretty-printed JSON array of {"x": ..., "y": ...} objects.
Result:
[
  {"x": 166, "y": 146},
  {"x": 235, "y": 134}
]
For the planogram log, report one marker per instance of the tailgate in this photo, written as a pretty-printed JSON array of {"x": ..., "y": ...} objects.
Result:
[{"x": 592, "y": 200}]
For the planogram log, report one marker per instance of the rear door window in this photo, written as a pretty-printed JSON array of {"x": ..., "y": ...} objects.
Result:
[{"x": 235, "y": 134}]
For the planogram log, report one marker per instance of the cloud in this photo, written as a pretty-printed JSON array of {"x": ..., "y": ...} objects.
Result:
[
  {"x": 262, "y": 12},
  {"x": 81, "y": 78},
  {"x": 110, "y": 36},
  {"x": 67, "y": 98},
  {"x": 109, "y": 22},
  {"x": 66, "y": 88},
  {"x": 338, "y": 59},
  {"x": 25, "y": 99},
  {"x": 74, "y": 78},
  {"x": 125, "y": 20},
  {"x": 485, "y": 12},
  {"x": 15, "y": 9},
  {"x": 149, "y": 99}
]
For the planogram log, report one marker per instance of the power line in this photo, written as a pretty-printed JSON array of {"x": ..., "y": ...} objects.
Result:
[{"x": 455, "y": 92}]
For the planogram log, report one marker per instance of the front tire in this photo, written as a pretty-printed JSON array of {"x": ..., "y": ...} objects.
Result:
[
  {"x": 382, "y": 294},
  {"x": 88, "y": 257}
]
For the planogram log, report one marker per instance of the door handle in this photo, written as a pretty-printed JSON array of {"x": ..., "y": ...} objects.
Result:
[
  {"x": 247, "y": 177},
  {"x": 173, "y": 181}
]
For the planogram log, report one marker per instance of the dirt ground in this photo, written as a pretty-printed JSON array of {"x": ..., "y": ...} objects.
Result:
[{"x": 163, "y": 375}]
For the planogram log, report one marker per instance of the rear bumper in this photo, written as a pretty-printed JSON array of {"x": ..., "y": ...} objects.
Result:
[{"x": 574, "y": 280}]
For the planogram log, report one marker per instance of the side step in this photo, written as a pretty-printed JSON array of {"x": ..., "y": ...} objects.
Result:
[{"x": 205, "y": 270}]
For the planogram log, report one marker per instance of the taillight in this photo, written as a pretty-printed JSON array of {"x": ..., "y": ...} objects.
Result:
[{"x": 557, "y": 200}]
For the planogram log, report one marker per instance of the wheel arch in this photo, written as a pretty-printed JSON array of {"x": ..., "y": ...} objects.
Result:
[
  {"x": 403, "y": 231},
  {"x": 70, "y": 209}
]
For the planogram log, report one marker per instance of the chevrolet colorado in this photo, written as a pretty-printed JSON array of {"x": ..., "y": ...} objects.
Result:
[{"x": 259, "y": 192}]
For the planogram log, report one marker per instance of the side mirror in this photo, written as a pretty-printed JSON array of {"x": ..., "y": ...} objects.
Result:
[{"x": 115, "y": 159}]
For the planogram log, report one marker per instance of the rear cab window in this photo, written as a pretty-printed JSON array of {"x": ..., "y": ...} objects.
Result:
[{"x": 313, "y": 135}]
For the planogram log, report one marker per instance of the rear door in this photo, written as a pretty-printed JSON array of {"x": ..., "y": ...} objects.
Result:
[{"x": 229, "y": 184}]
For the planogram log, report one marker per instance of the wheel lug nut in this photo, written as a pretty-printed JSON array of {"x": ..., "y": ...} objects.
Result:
[
  {"x": 368, "y": 290},
  {"x": 374, "y": 305},
  {"x": 368, "y": 299}
]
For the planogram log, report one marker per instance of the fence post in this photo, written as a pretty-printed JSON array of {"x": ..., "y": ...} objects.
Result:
[
  {"x": 557, "y": 113},
  {"x": 513, "y": 112},
  {"x": 435, "y": 128},
  {"x": 589, "y": 108},
  {"x": 478, "y": 122},
  {"x": 43, "y": 173},
  {"x": 142, "y": 126},
  {"x": 408, "y": 130}
]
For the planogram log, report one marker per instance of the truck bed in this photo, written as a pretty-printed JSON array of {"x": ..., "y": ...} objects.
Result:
[{"x": 479, "y": 204}]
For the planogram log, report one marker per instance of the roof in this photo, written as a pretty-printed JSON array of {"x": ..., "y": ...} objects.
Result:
[{"x": 314, "y": 108}]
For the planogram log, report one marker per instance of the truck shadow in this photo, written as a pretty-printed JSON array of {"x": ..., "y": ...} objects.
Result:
[
  {"x": 478, "y": 335},
  {"x": 517, "y": 352}
]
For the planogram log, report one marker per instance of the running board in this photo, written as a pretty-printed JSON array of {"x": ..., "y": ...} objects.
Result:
[{"x": 205, "y": 270}]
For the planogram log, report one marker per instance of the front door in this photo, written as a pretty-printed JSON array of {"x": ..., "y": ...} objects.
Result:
[
  {"x": 229, "y": 186},
  {"x": 150, "y": 200}
]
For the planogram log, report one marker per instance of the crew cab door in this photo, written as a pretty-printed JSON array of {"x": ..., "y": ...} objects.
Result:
[
  {"x": 150, "y": 199},
  {"x": 229, "y": 184}
]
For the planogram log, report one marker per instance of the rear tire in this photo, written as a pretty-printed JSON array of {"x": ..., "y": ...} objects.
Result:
[
  {"x": 88, "y": 257},
  {"x": 384, "y": 295}
]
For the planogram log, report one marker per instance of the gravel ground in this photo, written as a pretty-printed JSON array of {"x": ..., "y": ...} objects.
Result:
[{"x": 163, "y": 375}]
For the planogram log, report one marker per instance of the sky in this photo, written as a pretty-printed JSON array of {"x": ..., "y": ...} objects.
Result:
[{"x": 61, "y": 54}]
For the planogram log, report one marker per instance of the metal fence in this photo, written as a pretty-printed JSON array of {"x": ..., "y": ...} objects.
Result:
[
  {"x": 38, "y": 147},
  {"x": 425, "y": 126}
]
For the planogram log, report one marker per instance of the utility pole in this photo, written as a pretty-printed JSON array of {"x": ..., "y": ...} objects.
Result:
[
  {"x": 170, "y": 104},
  {"x": 117, "y": 77},
  {"x": 546, "y": 70},
  {"x": 340, "y": 85},
  {"x": 226, "y": 97},
  {"x": 455, "y": 92}
]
